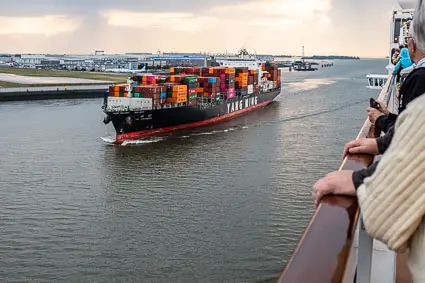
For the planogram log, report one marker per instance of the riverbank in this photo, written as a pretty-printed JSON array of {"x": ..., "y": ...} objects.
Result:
[
  {"x": 65, "y": 73},
  {"x": 49, "y": 93},
  {"x": 16, "y": 77}
]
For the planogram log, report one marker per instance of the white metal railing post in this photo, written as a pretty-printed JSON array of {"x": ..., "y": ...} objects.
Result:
[{"x": 364, "y": 255}]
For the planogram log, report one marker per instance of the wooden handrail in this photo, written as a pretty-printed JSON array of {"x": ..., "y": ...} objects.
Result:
[{"x": 322, "y": 255}]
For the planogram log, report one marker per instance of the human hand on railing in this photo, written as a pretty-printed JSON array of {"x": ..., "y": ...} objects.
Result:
[
  {"x": 361, "y": 146},
  {"x": 374, "y": 114},
  {"x": 363, "y": 159},
  {"x": 383, "y": 108},
  {"x": 336, "y": 183}
]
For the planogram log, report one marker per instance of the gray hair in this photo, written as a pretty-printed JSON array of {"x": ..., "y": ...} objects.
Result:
[{"x": 417, "y": 27}]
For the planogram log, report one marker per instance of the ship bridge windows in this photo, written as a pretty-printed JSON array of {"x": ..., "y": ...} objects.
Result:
[
  {"x": 377, "y": 81},
  {"x": 397, "y": 27}
]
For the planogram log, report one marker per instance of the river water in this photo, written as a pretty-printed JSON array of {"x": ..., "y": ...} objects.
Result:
[{"x": 226, "y": 203}]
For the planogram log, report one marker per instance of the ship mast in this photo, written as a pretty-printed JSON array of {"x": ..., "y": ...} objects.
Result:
[{"x": 302, "y": 58}]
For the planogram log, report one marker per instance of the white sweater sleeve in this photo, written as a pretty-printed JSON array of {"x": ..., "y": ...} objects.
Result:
[{"x": 392, "y": 200}]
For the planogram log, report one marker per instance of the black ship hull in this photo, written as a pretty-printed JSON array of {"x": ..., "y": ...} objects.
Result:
[{"x": 144, "y": 124}]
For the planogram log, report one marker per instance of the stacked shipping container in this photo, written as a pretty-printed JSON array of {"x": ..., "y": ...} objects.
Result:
[
  {"x": 274, "y": 74},
  {"x": 186, "y": 84},
  {"x": 242, "y": 80},
  {"x": 156, "y": 93},
  {"x": 118, "y": 90},
  {"x": 225, "y": 80},
  {"x": 177, "y": 94},
  {"x": 191, "y": 82},
  {"x": 208, "y": 87},
  {"x": 185, "y": 71}
]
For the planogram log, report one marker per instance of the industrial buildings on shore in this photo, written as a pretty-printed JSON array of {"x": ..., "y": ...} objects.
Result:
[
  {"x": 102, "y": 62},
  {"x": 99, "y": 61}
]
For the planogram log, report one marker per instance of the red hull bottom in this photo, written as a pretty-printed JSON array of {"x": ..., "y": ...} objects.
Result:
[{"x": 156, "y": 132}]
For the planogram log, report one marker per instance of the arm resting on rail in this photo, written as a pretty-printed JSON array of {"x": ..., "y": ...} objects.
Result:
[{"x": 383, "y": 142}]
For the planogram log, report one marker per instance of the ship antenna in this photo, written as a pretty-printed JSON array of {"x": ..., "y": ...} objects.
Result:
[{"x": 303, "y": 54}]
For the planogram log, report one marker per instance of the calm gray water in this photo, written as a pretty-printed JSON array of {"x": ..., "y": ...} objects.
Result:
[{"x": 221, "y": 204}]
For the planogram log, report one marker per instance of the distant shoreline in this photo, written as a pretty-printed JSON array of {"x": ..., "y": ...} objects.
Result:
[
  {"x": 332, "y": 57},
  {"x": 322, "y": 57}
]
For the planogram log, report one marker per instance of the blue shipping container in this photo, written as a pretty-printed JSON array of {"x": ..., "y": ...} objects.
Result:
[
  {"x": 212, "y": 80},
  {"x": 163, "y": 95}
]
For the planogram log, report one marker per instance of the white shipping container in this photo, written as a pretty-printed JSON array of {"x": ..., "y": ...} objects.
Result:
[
  {"x": 138, "y": 104},
  {"x": 250, "y": 89},
  {"x": 118, "y": 103}
]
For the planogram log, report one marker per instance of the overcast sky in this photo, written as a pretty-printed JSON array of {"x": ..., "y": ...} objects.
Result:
[{"x": 343, "y": 27}]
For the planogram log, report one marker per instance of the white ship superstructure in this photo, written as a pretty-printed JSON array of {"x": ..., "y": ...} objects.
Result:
[
  {"x": 243, "y": 59},
  {"x": 399, "y": 33}
]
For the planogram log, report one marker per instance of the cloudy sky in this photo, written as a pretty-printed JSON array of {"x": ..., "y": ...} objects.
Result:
[{"x": 343, "y": 27}]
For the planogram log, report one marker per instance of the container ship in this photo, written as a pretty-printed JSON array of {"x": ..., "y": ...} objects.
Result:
[{"x": 188, "y": 97}]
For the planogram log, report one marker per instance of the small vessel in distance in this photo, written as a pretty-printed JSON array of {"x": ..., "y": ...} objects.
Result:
[{"x": 150, "y": 105}]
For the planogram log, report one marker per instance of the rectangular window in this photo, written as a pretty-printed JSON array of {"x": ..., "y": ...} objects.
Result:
[{"x": 397, "y": 26}]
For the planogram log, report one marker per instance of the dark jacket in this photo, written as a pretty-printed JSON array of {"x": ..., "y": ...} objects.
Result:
[{"x": 412, "y": 87}]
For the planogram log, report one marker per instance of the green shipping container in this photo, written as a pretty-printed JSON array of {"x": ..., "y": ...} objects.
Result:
[
  {"x": 193, "y": 96},
  {"x": 121, "y": 94},
  {"x": 139, "y": 95}
]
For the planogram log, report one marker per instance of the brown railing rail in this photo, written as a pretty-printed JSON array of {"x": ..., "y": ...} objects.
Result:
[{"x": 324, "y": 253}]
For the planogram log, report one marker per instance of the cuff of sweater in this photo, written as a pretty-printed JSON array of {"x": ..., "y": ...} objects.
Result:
[
  {"x": 358, "y": 177},
  {"x": 361, "y": 194},
  {"x": 380, "y": 122},
  {"x": 382, "y": 144},
  {"x": 392, "y": 116}
]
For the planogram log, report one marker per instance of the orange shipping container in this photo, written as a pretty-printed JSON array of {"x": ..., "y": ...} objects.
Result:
[
  {"x": 178, "y": 94},
  {"x": 180, "y": 88},
  {"x": 177, "y": 100},
  {"x": 230, "y": 71}
]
